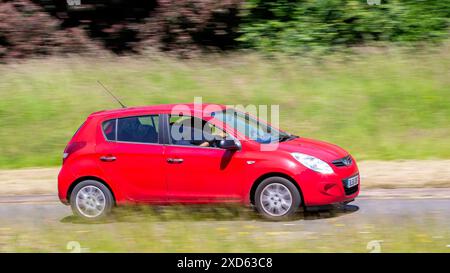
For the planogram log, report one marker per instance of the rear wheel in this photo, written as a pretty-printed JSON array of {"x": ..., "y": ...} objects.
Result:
[
  {"x": 277, "y": 198},
  {"x": 91, "y": 200}
]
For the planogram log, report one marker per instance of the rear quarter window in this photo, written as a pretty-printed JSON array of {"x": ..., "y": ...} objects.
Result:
[{"x": 109, "y": 129}]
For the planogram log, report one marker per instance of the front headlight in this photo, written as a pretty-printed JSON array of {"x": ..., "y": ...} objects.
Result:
[{"x": 313, "y": 163}]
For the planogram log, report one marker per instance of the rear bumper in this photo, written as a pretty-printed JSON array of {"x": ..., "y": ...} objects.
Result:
[{"x": 65, "y": 178}]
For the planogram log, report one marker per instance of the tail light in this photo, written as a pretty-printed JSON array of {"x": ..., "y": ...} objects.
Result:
[{"x": 72, "y": 148}]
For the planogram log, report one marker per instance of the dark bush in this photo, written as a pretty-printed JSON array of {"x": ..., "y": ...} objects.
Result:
[
  {"x": 113, "y": 23},
  {"x": 27, "y": 30},
  {"x": 187, "y": 26},
  {"x": 181, "y": 26}
]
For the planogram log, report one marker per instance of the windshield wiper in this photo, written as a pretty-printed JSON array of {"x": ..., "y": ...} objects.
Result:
[{"x": 286, "y": 137}]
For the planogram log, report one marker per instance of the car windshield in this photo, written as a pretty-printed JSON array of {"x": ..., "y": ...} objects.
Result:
[{"x": 252, "y": 128}]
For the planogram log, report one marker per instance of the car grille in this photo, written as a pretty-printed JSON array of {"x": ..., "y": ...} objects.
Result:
[
  {"x": 351, "y": 190},
  {"x": 342, "y": 162}
]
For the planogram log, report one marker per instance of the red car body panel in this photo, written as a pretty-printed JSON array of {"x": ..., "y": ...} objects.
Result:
[{"x": 141, "y": 173}]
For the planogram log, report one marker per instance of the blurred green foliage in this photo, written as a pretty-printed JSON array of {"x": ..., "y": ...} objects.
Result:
[{"x": 296, "y": 26}]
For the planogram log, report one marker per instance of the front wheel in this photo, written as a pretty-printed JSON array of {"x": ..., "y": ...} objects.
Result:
[
  {"x": 91, "y": 200},
  {"x": 277, "y": 198}
]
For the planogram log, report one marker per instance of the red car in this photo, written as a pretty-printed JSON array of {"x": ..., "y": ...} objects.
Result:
[{"x": 142, "y": 155}]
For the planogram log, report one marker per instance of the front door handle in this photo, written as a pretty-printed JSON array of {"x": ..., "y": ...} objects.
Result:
[
  {"x": 108, "y": 158},
  {"x": 175, "y": 160}
]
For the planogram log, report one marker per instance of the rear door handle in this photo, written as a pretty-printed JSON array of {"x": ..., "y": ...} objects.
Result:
[
  {"x": 108, "y": 158},
  {"x": 175, "y": 160}
]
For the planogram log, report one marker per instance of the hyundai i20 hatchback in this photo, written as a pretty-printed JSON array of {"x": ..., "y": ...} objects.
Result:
[{"x": 199, "y": 155}]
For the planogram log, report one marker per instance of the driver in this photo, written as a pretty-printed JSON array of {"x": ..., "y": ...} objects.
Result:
[
  {"x": 214, "y": 134},
  {"x": 219, "y": 136},
  {"x": 208, "y": 137}
]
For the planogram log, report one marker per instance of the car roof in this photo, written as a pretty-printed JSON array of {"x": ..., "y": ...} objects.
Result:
[{"x": 160, "y": 109}]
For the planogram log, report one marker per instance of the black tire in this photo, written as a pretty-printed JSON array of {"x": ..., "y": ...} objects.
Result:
[
  {"x": 294, "y": 194},
  {"x": 92, "y": 184}
]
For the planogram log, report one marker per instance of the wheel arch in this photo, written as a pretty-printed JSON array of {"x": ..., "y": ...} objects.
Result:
[
  {"x": 260, "y": 179},
  {"x": 84, "y": 178}
]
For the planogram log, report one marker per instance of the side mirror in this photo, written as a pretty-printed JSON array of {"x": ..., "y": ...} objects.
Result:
[{"x": 229, "y": 144}]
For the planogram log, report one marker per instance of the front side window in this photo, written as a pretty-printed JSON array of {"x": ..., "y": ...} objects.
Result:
[
  {"x": 140, "y": 129},
  {"x": 192, "y": 131}
]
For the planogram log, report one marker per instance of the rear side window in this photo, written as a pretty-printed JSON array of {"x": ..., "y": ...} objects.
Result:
[{"x": 140, "y": 129}]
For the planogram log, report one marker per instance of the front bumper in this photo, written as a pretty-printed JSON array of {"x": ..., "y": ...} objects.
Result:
[{"x": 320, "y": 190}]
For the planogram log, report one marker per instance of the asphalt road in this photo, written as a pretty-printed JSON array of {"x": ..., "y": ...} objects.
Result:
[{"x": 368, "y": 209}]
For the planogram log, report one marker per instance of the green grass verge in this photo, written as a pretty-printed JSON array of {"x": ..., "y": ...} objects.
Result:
[{"x": 382, "y": 105}]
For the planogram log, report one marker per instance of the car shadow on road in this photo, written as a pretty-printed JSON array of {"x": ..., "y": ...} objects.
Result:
[
  {"x": 328, "y": 213},
  {"x": 205, "y": 213}
]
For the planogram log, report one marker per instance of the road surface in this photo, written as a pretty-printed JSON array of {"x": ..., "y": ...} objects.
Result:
[{"x": 371, "y": 206}]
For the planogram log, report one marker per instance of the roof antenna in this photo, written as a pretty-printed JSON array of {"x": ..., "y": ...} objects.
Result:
[{"x": 112, "y": 95}]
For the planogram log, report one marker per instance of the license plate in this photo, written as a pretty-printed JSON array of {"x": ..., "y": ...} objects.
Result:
[{"x": 352, "y": 181}]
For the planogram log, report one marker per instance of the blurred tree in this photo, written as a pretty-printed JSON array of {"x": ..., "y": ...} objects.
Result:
[
  {"x": 186, "y": 27},
  {"x": 293, "y": 26}
]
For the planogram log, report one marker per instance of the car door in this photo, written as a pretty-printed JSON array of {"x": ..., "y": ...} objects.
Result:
[
  {"x": 131, "y": 157},
  {"x": 198, "y": 174}
]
